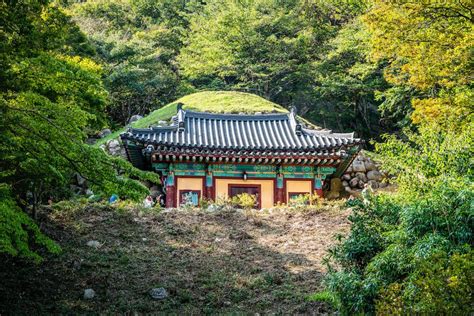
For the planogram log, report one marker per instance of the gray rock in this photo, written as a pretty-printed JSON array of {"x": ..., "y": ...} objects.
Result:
[
  {"x": 158, "y": 293},
  {"x": 361, "y": 176},
  {"x": 358, "y": 166},
  {"x": 105, "y": 132},
  {"x": 354, "y": 183},
  {"x": 374, "y": 175},
  {"x": 94, "y": 244},
  {"x": 134, "y": 118},
  {"x": 147, "y": 183},
  {"x": 383, "y": 184},
  {"x": 80, "y": 180},
  {"x": 361, "y": 184},
  {"x": 369, "y": 165},
  {"x": 91, "y": 141},
  {"x": 373, "y": 184},
  {"x": 114, "y": 143},
  {"x": 89, "y": 294},
  {"x": 345, "y": 183},
  {"x": 162, "y": 123},
  {"x": 349, "y": 170},
  {"x": 75, "y": 189},
  {"x": 346, "y": 177}
]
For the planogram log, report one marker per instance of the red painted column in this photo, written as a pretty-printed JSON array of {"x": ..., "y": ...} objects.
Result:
[
  {"x": 170, "y": 190},
  {"x": 209, "y": 185},
  {"x": 170, "y": 196},
  {"x": 280, "y": 189},
  {"x": 280, "y": 195},
  {"x": 318, "y": 186}
]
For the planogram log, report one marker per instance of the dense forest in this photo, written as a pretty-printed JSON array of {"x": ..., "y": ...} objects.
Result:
[{"x": 399, "y": 73}]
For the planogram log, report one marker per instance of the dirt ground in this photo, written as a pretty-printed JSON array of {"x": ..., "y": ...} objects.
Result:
[{"x": 222, "y": 262}]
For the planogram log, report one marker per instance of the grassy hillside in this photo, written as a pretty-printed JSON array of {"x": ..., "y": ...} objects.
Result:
[
  {"x": 224, "y": 262},
  {"x": 207, "y": 101}
]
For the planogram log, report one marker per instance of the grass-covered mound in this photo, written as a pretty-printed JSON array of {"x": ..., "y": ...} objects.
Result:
[{"x": 206, "y": 101}]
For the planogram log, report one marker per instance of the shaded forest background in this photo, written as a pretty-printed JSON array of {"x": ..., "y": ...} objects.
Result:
[{"x": 312, "y": 55}]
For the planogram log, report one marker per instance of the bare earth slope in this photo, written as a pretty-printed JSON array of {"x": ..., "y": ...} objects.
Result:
[{"x": 223, "y": 262}]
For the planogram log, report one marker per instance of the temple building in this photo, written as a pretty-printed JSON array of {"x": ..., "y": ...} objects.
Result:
[{"x": 208, "y": 156}]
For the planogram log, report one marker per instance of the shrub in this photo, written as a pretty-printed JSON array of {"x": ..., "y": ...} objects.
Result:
[
  {"x": 407, "y": 255},
  {"x": 245, "y": 201}
]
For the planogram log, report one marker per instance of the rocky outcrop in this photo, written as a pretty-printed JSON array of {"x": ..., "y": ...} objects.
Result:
[
  {"x": 363, "y": 172},
  {"x": 114, "y": 147}
]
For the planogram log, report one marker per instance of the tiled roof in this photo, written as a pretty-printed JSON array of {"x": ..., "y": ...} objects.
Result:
[{"x": 244, "y": 132}]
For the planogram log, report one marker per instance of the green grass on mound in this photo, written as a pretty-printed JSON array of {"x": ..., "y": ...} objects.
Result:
[{"x": 207, "y": 101}]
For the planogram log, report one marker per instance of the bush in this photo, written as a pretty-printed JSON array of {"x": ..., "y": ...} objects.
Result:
[
  {"x": 245, "y": 201},
  {"x": 407, "y": 255}
]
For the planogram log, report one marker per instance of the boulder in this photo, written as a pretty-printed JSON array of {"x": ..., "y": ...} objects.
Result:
[
  {"x": 361, "y": 176},
  {"x": 94, "y": 244},
  {"x": 373, "y": 184},
  {"x": 162, "y": 123},
  {"x": 154, "y": 188},
  {"x": 91, "y": 141},
  {"x": 354, "y": 182},
  {"x": 358, "y": 166},
  {"x": 369, "y": 165},
  {"x": 105, "y": 132},
  {"x": 114, "y": 148},
  {"x": 80, "y": 180},
  {"x": 374, "y": 175},
  {"x": 158, "y": 293},
  {"x": 345, "y": 183},
  {"x": 89, "y": 294},
  {"x": 361, "y": 184},
  {"x": 114, "y": 143},
  {"x": 147, "y": 183},
  {"x": 349, "y": 170},
  {"x": 134, "y": 118},
  {"x": 346, "y": 177}
]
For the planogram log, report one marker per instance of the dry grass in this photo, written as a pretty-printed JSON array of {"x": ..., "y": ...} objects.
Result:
[{"x": 224, "y": 262}]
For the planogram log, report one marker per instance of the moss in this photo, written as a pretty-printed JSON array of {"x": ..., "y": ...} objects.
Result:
[{"x": 206, "y": 101}]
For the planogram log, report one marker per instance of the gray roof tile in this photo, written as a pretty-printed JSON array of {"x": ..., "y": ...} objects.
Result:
[{"x": 232, "y": 131}]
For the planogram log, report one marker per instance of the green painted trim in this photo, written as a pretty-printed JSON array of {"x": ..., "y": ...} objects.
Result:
[{"x": 190, "y": 173}]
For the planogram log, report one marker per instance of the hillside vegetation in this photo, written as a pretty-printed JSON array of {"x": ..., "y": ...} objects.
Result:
[
  {"x": 206, "y": 101},
  {"x": 224, "y": 262}
]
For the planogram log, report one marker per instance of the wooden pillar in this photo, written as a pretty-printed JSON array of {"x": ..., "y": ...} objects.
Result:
[
  {"x": 280, "y": 189},
  {"x": 170, "y": 190},
  {"x": 209, "y": 187},
  {"x": 318, "y": 186}
]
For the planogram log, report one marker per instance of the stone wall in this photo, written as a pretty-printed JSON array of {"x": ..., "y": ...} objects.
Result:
[{"x": 363, "y": 171}]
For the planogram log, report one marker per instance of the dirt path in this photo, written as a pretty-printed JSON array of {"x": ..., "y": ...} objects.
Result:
[{"x": 209, "y": 262}]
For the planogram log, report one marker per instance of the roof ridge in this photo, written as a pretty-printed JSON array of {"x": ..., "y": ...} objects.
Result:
[{"x": 237, "y": 117}]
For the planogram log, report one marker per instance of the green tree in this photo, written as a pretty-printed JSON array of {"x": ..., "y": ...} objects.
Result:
[
  {"x": 137, "y": 41},
  {"x": 429, "y": 47},
  {"x": 49, "y": 100}
]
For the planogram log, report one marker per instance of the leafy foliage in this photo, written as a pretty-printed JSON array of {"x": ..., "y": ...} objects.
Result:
[
  {"x": 245, "y": 201},
  {"x": 17, "y": 229},
  {"x": 429, "y": 47},
  {"x": 50, "y": 99},
  {"x": 411, "y": 252},
  {"x": 137, "y": 41}
]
